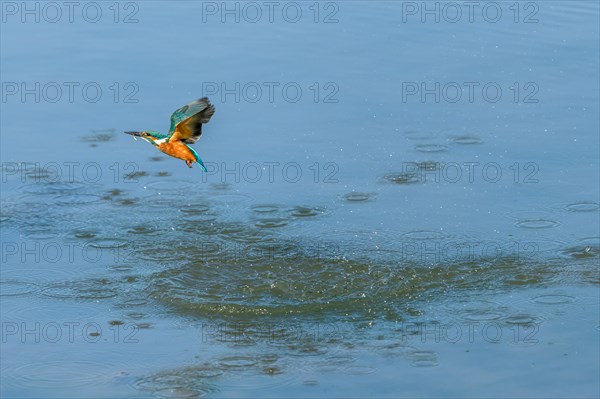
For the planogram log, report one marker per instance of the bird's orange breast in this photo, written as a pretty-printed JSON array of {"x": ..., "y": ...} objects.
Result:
[{"x": 178, "y": 150}]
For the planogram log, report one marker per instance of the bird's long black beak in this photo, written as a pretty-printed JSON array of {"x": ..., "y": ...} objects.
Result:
[{"x": 138, "y": 134}]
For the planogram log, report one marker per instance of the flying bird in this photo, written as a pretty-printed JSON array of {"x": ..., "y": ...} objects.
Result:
[{"x": 186, "y": 128}]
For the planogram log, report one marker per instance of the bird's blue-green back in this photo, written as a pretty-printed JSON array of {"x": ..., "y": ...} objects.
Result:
[
  {"x": 158, "y": 135},
  {"x": 154, "y": 134}
]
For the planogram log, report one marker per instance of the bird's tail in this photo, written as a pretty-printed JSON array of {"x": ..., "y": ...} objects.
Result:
[{"x": 198, "y": 159}]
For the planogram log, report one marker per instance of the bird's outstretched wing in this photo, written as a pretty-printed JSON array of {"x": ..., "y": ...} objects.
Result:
[{"x": 186, "y": 122}]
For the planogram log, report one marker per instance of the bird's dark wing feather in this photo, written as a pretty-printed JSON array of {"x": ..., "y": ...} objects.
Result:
[{"x": 186, "y": 122}]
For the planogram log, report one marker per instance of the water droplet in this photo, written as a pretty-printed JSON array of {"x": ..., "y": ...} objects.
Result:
[{"x": 582, "y": 251}]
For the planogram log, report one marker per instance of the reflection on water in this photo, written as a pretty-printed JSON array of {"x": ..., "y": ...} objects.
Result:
[
  {"x": 276, "y": 307},
  {"x": 265, "y": 295}
]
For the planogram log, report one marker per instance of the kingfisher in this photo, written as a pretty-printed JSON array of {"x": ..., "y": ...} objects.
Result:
[{"x": 186, "y": 128}]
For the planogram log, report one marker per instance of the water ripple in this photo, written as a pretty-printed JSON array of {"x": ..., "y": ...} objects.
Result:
[
  {"x": 265, "y": 208},
  {"x": 401, "y": 178},
  {"x": 431, "y": 147},
  {"x": 355, "y": 196},
  {"x": 9, "y": 287},
  {"x": 91, "y": 289},
  {"x": 62, "y": 374},
  {"x": 553, "y": 299},
  {"x": 306, "y": 211},
  {"x": 583, "y": 207},
  {"x": 467, "y": 139},
  {"x": 185, "y": 382},
  {"x": 536, "y": 224},
  {"x": 271, "y": 223},
  {"x": 170, "y": 185}
]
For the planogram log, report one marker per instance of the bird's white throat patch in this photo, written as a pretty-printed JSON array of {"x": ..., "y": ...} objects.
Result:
[{"x": 161, "y": 141}]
